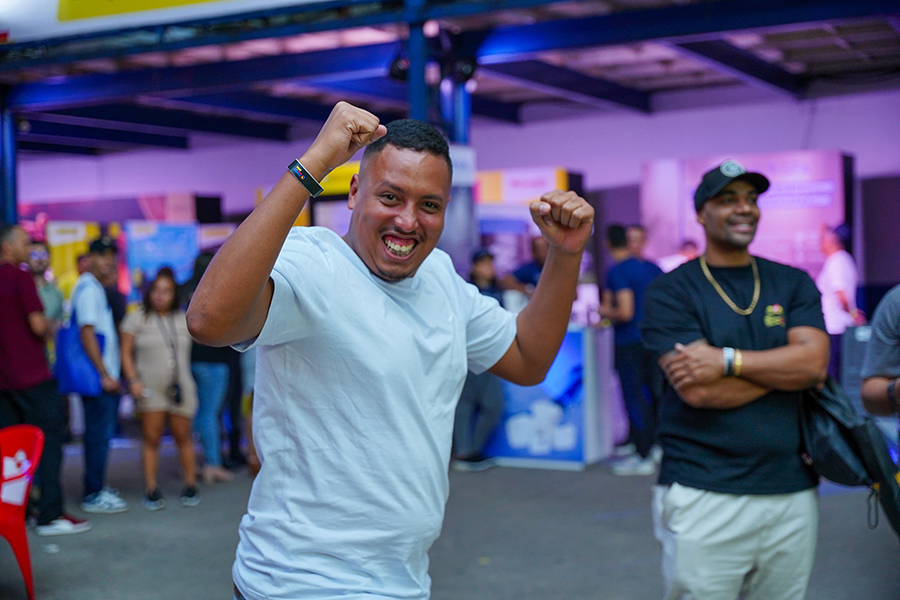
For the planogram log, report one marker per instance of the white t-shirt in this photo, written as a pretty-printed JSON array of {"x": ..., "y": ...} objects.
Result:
[
  {"x": 356, "y": 385},
  {"x": 92, "y": 308},
  {"x": 838, "y": 273}
]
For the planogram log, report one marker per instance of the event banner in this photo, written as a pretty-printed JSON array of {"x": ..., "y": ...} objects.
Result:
[
  {"x": 151, "y": 245},
  {"x": 808, "y": 191},
  {"x": 30, "y": 20}
]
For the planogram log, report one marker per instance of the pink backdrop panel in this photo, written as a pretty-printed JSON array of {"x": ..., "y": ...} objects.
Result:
[{"x": 807, "y": 192}]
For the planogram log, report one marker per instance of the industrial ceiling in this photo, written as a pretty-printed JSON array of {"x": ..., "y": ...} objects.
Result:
[{"x": 276, "y": 74}]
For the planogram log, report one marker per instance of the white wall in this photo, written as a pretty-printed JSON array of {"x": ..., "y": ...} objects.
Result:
[{"x": 608, "y": 150}]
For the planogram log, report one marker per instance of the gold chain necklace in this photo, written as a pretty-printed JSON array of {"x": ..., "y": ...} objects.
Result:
[{"x": 741, "y": 311}]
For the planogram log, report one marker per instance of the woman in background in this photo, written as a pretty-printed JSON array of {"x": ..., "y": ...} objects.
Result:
[
  {"x": 211, "y": 368},
  {"x": 156, "y": 350}
]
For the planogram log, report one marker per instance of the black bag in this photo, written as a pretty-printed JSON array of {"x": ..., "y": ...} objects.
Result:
[{"x": 847, "y": 448}]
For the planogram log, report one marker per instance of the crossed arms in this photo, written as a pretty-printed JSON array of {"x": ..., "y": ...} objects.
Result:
[{"x": 696, "y": 370}]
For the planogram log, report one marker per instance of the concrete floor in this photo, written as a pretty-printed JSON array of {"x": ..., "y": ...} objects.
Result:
[{"x": 509, "y": 534}]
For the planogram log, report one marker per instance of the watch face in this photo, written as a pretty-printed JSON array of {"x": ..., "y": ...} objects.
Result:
[{"x": 299, "y": 171}]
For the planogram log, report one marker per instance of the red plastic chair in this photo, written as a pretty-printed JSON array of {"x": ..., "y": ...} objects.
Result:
[{"x": 20, "y": 452}]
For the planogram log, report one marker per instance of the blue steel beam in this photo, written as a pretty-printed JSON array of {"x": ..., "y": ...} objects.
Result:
[
  {"x": 262, "y": 105},
  {"x": 8, "y": 198},
  {"x": 693, "y": 22},
  {"x": 744, "y": 65},
  {"x": 42, "y": 129},
  {"x": 177, "y": 119},
  {"x": 259, "y": 104},
  {"x": 383, "y": 88},
  {"x": 571, "y": 85},
  {"x": 324, "y": 65},
  {"x": 676, "y": 23},
  {"x": 58, "y": 148}
]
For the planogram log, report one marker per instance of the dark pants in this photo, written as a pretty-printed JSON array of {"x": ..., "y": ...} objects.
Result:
[
  {"x": 834, "y": 359},
  {"x": 479, "y": 410},
  {"x": 641, "y": 381},
  {"x": 41, "y": 406},
  {"x": 100, "y": 417}
]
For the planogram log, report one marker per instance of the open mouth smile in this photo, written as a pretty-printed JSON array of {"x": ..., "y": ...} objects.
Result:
[{"x": 399, "y": 247}]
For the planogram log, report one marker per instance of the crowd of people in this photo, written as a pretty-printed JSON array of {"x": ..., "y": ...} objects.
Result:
[
  {"x": 146, "y": 352},
  {"x": 370, "y": 352}
]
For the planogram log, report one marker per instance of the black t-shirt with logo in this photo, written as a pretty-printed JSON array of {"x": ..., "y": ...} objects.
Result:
[{"x": 753, "y": 449}]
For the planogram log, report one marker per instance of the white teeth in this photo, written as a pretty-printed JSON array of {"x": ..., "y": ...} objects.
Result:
[{"x": 398, "y": 249}]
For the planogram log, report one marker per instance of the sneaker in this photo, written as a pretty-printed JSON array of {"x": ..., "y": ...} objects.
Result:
[
  {"x": 64, "y": 525},
  {"x": 634, "y": 465},
  {"x": 190, "y": 497},
  {"x": 154, "y": 500},
  {"x": 106, "y": 500},
  {"x": 624, "y": 450},
  {"x": 474, "y": 464}
]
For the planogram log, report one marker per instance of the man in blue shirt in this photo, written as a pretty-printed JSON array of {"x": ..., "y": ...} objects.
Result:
[
  {"x": 623, "y": 304},
  {"x": 525, "y": 278},
  {"x": 94, "y": 318}
]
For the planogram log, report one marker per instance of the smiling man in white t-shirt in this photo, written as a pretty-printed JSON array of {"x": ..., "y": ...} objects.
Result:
[{"x": 364, "y": 343}]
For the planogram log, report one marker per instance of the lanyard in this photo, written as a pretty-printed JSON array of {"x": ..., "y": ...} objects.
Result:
[{"x": 171, "y": 339}]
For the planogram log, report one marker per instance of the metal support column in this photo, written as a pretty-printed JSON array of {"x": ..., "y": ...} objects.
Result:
[
  {"x": 417, "y": 48},
  {"x": 461, "y": 231},
  {"x": 7, "y": 161},
  {"x": 462, "y": 113},
  {"x": 456, "y": 110}
]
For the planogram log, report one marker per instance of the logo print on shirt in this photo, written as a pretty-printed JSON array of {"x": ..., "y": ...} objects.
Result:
[{"x": 774, "y": 316}]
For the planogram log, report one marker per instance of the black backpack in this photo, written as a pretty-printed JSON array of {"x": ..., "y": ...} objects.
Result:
[{"x": 847, "y": 448}]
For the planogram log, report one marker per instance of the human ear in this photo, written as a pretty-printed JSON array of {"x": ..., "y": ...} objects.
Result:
[{"x": 354, "y": 189}]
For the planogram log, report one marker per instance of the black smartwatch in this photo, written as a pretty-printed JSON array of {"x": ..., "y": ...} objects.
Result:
[{"x": 308, "y": 181}]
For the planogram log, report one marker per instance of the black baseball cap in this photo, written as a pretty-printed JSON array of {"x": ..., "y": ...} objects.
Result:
[
  {"x": 481, "y": 253},
  {"x": 714, "y": 181},
  {"x": 102, "y": 244}
]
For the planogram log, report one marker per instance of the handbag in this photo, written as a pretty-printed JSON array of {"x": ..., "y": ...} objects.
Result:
[
  {"x": 74, "y": 370},
  {"x": 847, "y": 448}
]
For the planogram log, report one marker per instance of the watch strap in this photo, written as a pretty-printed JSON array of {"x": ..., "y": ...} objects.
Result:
[{"x": 308, "y": 181}]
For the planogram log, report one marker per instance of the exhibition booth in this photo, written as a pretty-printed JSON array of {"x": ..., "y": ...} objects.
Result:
[{"x": 575, "y": 416}]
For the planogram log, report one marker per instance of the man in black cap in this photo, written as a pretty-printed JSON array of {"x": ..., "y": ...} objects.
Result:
[
  {"x": 99, "y": 338},
  {"x": 738, "y": 337}
]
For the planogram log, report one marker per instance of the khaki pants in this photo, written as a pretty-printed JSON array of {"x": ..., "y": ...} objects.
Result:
[{"x": 724, "y": 546}]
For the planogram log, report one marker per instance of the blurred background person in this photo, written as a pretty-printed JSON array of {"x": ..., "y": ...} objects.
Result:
[
  {"x": 28, "y": 393},
  {"x": 94, "y": 318},
  {"x": 480, "y": 405},
  {"x": 525, "y": 278},
  {"x": 51, "y": 297},
  {"x": 641, "y": 380},
  {"x": 636, "y": 237},
  {"x": 118, "y": 302},
  {"x": 687, "y": 251},
  {"x": 211, "y": 369},
  {"x": 66, "y": 281},
  {"x": 837, "y": 283},
  {"x": 155, "y": 357},
  {"x": 881, "y": 366}
]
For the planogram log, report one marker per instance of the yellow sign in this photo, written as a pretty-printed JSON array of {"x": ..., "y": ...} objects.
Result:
[
  {"x": 337, "y": 183},
  {"x": 70, "y": 10},
  {"x": 520, "y": 187}
]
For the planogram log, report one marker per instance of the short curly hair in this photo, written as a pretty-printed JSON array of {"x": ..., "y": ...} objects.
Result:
[{"x": 412, "y": 134}]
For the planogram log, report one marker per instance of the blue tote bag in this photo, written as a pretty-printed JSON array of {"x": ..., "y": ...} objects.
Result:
[{"x": 74, "y": 370}]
